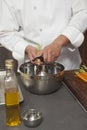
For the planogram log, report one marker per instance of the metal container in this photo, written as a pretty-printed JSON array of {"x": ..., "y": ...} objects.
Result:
[
  {"x": 32, "y": 118},
  {"x": 42, "y": 79}
]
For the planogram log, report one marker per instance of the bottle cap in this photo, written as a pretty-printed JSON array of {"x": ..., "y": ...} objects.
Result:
[{"x": 9, "y": 63}]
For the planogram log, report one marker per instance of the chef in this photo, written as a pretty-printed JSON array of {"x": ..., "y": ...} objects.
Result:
[{"x": 56, "y": 26}]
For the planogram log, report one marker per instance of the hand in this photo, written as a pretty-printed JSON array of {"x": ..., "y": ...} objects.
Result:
[
  {"x": 32, "y": 52},
  {"x": 51, "y": 52}
]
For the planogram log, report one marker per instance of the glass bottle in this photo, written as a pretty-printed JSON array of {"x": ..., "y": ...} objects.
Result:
[{"x": 11, "y": 95}]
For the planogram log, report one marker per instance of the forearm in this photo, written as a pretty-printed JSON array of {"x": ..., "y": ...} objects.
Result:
[
  {"x": 14, "y": 43},
  {"x": 61, "y": 41}
]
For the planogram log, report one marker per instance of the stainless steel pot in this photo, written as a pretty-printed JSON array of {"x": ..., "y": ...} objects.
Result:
[{"x": 43, "y": 79}]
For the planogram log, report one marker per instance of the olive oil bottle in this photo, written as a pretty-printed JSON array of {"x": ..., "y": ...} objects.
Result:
[{"x": 11, "y": 95}]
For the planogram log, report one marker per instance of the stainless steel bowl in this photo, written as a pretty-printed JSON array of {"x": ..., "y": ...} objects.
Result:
[
  {"x": 42, "y": 79},
  {"x": 32, "y": 118}
]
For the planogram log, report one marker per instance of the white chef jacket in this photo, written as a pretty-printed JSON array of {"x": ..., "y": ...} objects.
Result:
[{"x": 42, "y": 21}]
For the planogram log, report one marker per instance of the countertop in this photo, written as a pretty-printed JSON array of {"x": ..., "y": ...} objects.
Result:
[
  {"x": 77, "y": 86},
  {"x": 60, "y": 110}
]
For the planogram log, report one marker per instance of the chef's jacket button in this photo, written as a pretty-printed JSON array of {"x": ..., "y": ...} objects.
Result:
[
  {"x": 34, "y": 7},
  {"x": 41, "y": 30}
]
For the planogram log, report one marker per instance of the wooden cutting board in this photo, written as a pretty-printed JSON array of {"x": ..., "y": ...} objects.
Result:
[{"x": 77, "y": 86}]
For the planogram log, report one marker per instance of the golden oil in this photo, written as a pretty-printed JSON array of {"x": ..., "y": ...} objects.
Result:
[
  {"x": 11, "y": 95},
  {"x": 12, "y": 107}
]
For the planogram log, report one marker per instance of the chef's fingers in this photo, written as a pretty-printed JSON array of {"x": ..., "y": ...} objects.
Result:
[{"x": 45, "y": 56}]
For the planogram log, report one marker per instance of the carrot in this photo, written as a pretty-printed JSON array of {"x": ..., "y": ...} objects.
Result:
[{"x": 82, "y": 75}]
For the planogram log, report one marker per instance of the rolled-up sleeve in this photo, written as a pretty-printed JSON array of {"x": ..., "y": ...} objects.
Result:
[{"x": 78, "y": 23}]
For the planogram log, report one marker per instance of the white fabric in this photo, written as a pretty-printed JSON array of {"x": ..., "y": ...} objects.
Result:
[{"x": 42, "y": 21}]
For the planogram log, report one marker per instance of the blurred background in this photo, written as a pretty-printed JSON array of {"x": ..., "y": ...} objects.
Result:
[{"x": 6, "y": 54}]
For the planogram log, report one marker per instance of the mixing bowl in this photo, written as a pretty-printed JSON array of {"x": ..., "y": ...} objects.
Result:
[{"x": 42, "y": 79}]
